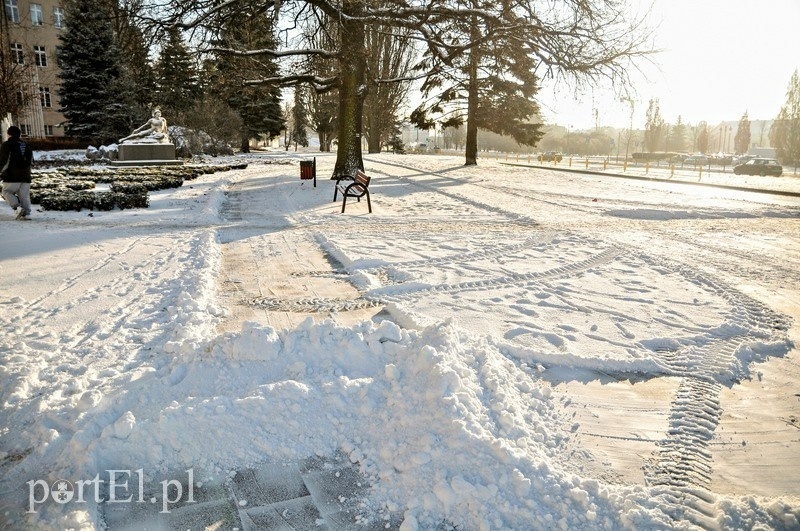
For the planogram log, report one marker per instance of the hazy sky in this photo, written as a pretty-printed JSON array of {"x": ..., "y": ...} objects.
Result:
[{"x": 720, "y": 58}]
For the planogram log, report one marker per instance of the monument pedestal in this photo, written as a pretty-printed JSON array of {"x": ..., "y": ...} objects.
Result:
[{"x": 146, "y": 154}]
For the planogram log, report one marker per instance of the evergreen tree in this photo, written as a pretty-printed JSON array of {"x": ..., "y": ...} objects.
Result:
[
  {"x": 491, "y": 85},
  {"x": 784, "y": 134},
  {"x": 741, "y": 142},
  {"x": 259, "y": 107},
  {"x": 654, "y": 126},
  {"x": 300, "y": 119},
  {"x": 137, "y": 70},
  {"x": 677, "y": 137},
  {"x": 176, "y": 76},
  {"x": 94, "y": 98}
]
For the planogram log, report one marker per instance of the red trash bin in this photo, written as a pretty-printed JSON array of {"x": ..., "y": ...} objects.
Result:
[{"x": 308, "y": 170}]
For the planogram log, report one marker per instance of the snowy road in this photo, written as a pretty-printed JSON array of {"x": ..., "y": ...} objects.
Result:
[{"x": 573, "y": 350}]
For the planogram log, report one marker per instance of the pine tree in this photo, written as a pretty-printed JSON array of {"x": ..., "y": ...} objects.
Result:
[
  {"x": 300, "y": 120},
  {"x": 784, "y": 134},
  {"x": 259, "y": 107},
  {"x": 677, "y": 137},
  {"x": 94, "y": 99},
  {"x": 176, "y": 76},
  {"x": 741, "y": 142},
  {"x": 491, "y": 86}
]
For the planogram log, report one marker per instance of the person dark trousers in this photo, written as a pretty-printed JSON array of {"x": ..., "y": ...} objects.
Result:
[{"x": 16, "y": 158}]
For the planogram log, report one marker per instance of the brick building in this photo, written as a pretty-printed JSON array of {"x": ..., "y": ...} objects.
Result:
[{"x": 31, "y": 30}]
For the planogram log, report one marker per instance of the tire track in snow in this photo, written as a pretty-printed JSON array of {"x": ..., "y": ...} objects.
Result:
[
  {"x": 322, "y": 305},
  {"x": 683, "y": 465}
]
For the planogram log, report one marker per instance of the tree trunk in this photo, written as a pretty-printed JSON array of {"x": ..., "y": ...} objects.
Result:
[
  {"x": 374, "y": 141},
  {"x": 471, "y": 151},
  {"x": 352, "y": 90},
  {"x": 245, "y": 145}
]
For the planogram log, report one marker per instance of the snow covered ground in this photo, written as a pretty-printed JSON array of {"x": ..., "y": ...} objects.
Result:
[{"x": 494, "y": 347}]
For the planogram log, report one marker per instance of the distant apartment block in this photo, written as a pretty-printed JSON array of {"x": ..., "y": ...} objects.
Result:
[{"x": 32, "y": 31}]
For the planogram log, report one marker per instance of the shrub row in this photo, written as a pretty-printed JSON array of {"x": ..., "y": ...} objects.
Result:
[
  {"x": 65, "y": 199},
  {"x": 66, "y": 189}
]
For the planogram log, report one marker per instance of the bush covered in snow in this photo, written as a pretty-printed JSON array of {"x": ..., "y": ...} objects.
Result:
[{"x": 189, "y": 143}]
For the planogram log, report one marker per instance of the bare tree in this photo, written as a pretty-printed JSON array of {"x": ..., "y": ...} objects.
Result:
[
  {"x": 390, "y": 56},
  {"x": 785, "y": 131},
  {"x": 654, "y": 126},
  {"x": 15, "y": 73}
]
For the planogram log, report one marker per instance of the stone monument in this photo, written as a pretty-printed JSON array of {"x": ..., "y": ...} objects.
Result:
[{"x": 148, "y": 144}]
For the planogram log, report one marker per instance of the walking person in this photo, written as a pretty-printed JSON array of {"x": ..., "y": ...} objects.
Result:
[{"x": 16, "y": 158}]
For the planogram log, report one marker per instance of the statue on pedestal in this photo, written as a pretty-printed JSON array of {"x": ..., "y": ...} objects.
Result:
[{"x": 153, "y": 131}]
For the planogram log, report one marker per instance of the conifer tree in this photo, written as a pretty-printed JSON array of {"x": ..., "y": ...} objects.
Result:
[
  {"x": 677, "y": 137},
  {"x": 300, "y": 119},
  {"x": 95, "y": 101},
  {"x": 741, "y": 142},
  {"x": 176, "y": 76},
  {"x": 259, "y": 107}
]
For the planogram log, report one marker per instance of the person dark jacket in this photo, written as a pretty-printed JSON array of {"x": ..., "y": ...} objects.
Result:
[{"x": 16, "y": 158}]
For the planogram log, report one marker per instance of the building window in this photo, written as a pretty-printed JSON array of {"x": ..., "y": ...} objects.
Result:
[
  {"x": 20, "y": 98},
  {"x": 40, "y": 55},
  {"x": 26, "y": 129},
  {"x": 17, "y": 54},
  {"x": 12, "y": 10},
  {"x": 58, "y": 17},
  {"x": 44, "y": 93},
  {"x": 37, "y": 19},
  {"x": 48, "y": 130}
]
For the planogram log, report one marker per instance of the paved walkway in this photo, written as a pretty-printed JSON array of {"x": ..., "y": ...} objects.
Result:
[{"x": 319, "y": 494}]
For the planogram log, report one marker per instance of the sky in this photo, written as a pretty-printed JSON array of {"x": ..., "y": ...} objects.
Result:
[
  {"x": 522, "y": 359},
  {"x": 719, "y": 59}
]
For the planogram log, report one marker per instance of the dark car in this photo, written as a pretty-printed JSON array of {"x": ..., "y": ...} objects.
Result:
[
  {"x": 550, "y": 156},
  {"x": 759, "y": 166}
]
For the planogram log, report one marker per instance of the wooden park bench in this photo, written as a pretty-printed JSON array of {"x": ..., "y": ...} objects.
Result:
[{"x": 358, "y": 188}]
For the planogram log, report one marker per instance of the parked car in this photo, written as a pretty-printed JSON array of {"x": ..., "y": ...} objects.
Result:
[
  {"x": 550, "y": 156},
  {"x": 722, "y": 160},
  {"x": 695, "y": 160},
  {"x": 759, "y": 166}
]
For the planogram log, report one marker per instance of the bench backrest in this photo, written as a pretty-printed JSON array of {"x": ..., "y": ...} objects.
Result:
[{"x": 362, "y": 178}]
